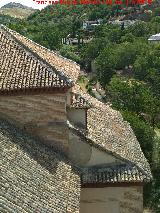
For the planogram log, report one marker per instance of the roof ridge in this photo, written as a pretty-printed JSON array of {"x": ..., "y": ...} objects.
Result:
[
  {"x": 66, "y": 66},
  {"x": 40, "y": 60},
  {"x": 44, "y": 48},
  {"x": 52, "y": 51}
]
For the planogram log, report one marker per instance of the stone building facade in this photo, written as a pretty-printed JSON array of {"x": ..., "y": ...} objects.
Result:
[{"x": 46, "y": 119}]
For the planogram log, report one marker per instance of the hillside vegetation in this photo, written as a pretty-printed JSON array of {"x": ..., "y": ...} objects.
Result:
[
  {"x": 5, "y": 20},
  {"x": 16, "y": 10},
  {"x": 15, "y": 5}
]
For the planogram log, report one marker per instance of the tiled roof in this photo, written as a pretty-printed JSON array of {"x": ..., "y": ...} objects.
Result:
[
  {"x": 113, "y": 174},
  {"x": 107, "y": 130},
  {"x": 33, "y": 177},
  {"x": 21, "y": 69},
  {"x": 67, "y": 67}
]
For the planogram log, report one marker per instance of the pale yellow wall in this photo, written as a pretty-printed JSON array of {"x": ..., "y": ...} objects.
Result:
[{"x": 112, "y": 200}]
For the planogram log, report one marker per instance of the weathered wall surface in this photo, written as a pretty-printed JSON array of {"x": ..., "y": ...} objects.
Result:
[
  {"x": 77, "y": 116},
  {"x": 79, "y": 151},
  {"x": 112, "y": 200},
  {"x": 99, "y": 158},
  {"x": 84, "y": 154},
  {"x": 42, "y": 115}
]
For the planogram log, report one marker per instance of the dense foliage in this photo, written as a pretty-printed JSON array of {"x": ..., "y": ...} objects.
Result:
[{"x": 4, "y": 19}]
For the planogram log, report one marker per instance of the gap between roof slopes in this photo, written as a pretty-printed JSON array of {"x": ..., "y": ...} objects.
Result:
[{"x": 51, "y": 69}]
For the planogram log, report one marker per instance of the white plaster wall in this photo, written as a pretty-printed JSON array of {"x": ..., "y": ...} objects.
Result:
[
  {"x": 112, "y": 200},
  {"x": 99, "y": 157},
  {"x": 85, "y": 155},
  {"x": 77, "y": 116}
]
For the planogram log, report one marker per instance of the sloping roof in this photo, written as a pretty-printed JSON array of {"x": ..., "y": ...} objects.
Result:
[
  {"x": 21, "y": 69},
  {"x": 113, "y": 174},
  {"x": 33, "y": 177},
  {"x": 68, "y": 67},
  {"x": 155, "y": 37},
  {"x": 107, "y": 130}
]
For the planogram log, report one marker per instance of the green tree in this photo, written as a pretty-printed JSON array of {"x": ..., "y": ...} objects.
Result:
[
  {"x": 157, "y": 11},
  {"x": 92, "y": 50},
  {"x": 144, "y": 133},
  {"x": 135, "y": 96},
  {"x": 146, "y": 68},
  {"x": 105, "y": 65},
  {"x": 139, "y": 29},
  {"x": 115, "y": 57},
  {"x": 69, "y": 52}
]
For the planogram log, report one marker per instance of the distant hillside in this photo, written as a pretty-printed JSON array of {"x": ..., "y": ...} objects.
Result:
[
  {"x": 17, "y": 5},
  {"x": 16, "y": 10}
]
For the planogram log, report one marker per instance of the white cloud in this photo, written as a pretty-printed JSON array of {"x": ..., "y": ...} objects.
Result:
[{"x": 29, "y": 3}]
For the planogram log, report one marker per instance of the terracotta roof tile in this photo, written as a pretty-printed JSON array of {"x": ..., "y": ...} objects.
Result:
[
  {"x": 33, "y": 177},
  {"x": 69, "y": 68},
  {"x": 107, "y": 130},
  {"x": 113, "y": 174},
  {"x": 21, "y": 69}
]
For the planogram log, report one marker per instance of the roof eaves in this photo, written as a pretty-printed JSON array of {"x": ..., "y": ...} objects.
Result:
[
  {"x": 115, "y": 173},
  {"x": 33, "y": 90}
]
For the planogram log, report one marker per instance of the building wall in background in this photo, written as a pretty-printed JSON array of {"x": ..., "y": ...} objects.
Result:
[{"x": 112, "y": 200}]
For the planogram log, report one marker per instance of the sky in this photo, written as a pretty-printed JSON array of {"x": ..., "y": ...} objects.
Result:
[{"x": 29, "y": 3}]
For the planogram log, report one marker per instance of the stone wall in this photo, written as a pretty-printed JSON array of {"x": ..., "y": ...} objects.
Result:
[
  {"x": 112, "y": 200},
  {"x": 42, "y": 115}
]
